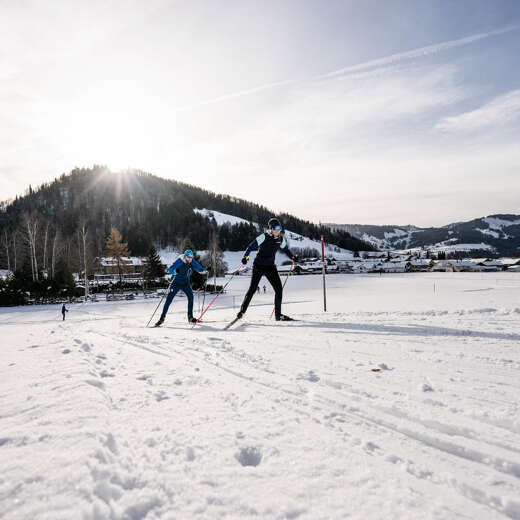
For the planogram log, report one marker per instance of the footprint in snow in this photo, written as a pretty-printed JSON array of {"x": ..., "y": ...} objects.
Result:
[
  {"x": 190, "y": 454},
  {"x": 96, "y": 383},
  {"x": 309, "y": 376},
  {"x": 249, "y": 456},
  {"x": 370, "y": 447},
  {"x": 161, "y": 396}
]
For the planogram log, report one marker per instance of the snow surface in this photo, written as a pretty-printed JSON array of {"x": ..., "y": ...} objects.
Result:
[
  {"x": 221, "y": 218},
  {"x": 4, "y": 274},
  {"x": 499, "y": 223},
  {"x": 400, "y": 402},
  {"x": 490, "y": 232},
  {"x": 233, "y": 258},
  {"x": 460, "y": 247}
]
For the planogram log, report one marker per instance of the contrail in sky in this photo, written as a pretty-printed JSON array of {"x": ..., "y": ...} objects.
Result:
[
  {"x": 417, "y": 53},
  {"x": 387, "y": 60}
]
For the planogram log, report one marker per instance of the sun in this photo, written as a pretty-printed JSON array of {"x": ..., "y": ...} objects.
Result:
[{"x": 114, "y": 125}]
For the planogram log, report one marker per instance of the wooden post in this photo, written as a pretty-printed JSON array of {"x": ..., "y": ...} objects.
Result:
[{"x": 323, "y": 271}]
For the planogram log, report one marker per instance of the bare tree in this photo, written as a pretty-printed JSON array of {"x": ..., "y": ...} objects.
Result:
[
  {"x": 83, "y": 233},
  {"x": 213, "y": 247},
  {"x": 15, "y": 234},
  {"x": 30, "y": 223},
  {"x": 55, "y": 251},
  {"x": 6, "y": 245},
  {"x": 215, "y": 258},
  {"x": 46, "y": 236},
  {"x": 80, "y": 256}
]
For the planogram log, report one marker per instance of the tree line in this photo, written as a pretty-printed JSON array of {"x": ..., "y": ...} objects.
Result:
[
  {"x": 148, "y": 210},
  {"x": 61, "y": 227}
]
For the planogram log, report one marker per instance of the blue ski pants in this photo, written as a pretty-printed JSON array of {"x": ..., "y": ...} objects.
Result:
[{"x": 174, "y": 289}]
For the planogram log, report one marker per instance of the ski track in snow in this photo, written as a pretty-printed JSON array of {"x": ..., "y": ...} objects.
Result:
[{"x": 397, "y": 403}]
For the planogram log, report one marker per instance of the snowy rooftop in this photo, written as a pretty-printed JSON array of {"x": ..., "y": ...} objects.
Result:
[
  {"x": 4, "y": 274},
  {"x": 128, "y": 260}
]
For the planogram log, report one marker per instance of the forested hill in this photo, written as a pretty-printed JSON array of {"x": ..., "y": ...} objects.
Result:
[{"x": 147, "y": 210}]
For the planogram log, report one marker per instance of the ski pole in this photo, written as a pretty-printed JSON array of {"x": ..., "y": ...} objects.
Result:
[
  {"x": 283, "y": 286},
  {"x": 204, "y": 295},
  {"x": 169, "y": 286},
  {"x": 217, "y": 295}
]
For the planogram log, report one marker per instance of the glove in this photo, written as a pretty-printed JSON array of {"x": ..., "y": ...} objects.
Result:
[
  {"x": 245, "y": 259},
  {"x": 295, "y": 258}
]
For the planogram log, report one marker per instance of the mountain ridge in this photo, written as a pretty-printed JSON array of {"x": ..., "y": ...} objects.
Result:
[
  {"x": 494, "y": 235},
  {"x": 145, "y": 208}
]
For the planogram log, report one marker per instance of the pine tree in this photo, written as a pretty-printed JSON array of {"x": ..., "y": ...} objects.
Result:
[
  {"x": 153, "y": 267},
  {"x": 117, "y": 250}
]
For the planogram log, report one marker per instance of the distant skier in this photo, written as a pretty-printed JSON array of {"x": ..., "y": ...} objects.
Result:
[
  {"x": 267, "y": 245},
  {"x": 264, "y": 289},
  {"x": 258, "y": 290},
  {"x": 63, "y": 311},
  {"x": 181, "y": 270}
]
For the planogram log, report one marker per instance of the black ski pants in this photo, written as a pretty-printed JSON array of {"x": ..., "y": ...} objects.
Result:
[{"x": 271, "y": 273}]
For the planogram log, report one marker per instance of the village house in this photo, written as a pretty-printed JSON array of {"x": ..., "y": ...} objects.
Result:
[
  {"x": 131, "y": 268},
  {"x": 460, "y": 266},
  {"x": 489, "y": 264},
  {"x": 420, "y": 264}
]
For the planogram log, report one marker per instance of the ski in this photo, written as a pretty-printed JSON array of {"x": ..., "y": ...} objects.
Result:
[{"x": 230, "y": 324}]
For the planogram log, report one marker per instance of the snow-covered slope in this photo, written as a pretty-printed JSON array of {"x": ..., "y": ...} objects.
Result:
[
  {"x": 221, "y": 218},
  {"x": 294, "y": 240},
  {"x": 399, "y": 403}
]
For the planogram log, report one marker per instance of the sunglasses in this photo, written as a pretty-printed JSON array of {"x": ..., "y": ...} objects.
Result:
[{"x": 277, "y": 228}]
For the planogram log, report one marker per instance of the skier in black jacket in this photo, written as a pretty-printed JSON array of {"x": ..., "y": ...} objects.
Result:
[{"x": 267, "y": 245}]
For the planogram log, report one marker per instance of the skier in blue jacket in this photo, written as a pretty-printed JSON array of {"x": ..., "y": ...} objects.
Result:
[
  {"x": 267, "y": 244},
  {"x": 181, "y": 271}
]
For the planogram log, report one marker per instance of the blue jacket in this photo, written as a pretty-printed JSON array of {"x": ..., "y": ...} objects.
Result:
[{"x": 181, "y": 270}]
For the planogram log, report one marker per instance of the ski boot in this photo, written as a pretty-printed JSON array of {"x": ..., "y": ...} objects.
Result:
[
  {"x": 160, "y": 322},
  {"x": 191, "y": 319},
  {"x": 283, "y": 317}
]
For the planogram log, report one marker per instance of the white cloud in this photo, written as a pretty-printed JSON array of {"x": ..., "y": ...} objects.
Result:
[
  {"x": 357, "y": 141},
  {"x": 500, "y": 111}
]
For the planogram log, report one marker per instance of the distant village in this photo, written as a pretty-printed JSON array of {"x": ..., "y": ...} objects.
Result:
[
  {"x": 393, "y": 262},
  {"x": 106, "y": 271},
  {"x": 367, "y": 262}
]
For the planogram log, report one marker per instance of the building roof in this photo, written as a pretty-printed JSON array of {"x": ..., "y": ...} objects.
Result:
[{"x": 128, "y": 260}]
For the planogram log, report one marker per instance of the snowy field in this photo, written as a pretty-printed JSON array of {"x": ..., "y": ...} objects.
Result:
[{"x": 102, "y": 418}]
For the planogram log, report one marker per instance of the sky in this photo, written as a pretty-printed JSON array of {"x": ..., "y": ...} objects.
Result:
[{"x": 368, "y": 112}]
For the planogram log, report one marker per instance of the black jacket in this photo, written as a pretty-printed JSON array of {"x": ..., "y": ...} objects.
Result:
[{"x": 267, "y": 246}]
